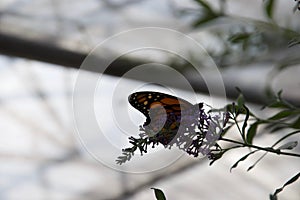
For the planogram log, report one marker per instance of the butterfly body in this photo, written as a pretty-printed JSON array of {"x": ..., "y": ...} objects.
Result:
[{"x": 163, "y": 113}]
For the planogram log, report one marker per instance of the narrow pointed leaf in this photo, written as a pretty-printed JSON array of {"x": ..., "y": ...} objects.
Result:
[
  {"x": 296, "y": 123},
  {"x": 292, "y": 180},
  {"x": 240, "y": 101},
  {"x": 241, "y": 159},
  {"x": 239, "y": 37},
  {"x": 273, "y": 197},
  {"x": 246, "y": 120},
  {"x": 159, "y": 194},
  {"x": 269, "y": 7},
  {"x": 206, "y": 18},
  {"x": 205, "y": 5},
  {"x": 282, "y": 114},
  {"x": 289, "y": 145},
  {"x": 251, "y": 133},
  {"x": 277, "y": 104}
]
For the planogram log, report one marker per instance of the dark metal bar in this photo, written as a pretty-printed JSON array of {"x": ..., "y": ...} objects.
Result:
[
  {"x": 17, "y": 47},
  {"x": 45, "y": 52}
]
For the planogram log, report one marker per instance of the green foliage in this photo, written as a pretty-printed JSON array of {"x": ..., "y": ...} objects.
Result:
[
  {"x": 292, "y": 180},
  {"x": 250, "y": 42},
  {"x": 252, "y": 132},
  {"x": 287, "y": 116},
  {"x": 207, "y": 13},
  {"x": 289, "y": 145},
  {"x": 159, "y": 194},
  {"x": 242, "y": 159},
  {"x": 269, "y": 8},
  {"x": 235, "y": 115}
]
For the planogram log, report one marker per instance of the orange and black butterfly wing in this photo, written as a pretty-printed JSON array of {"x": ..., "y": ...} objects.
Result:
[
  {"x": 154, "y": 105},
  {"x": 144, "y": 101}
]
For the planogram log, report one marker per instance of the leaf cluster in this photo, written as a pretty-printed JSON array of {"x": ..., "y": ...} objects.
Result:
[{"x": 285, "y": 122}]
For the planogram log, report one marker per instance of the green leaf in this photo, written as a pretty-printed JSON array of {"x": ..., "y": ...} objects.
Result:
[
  {"x": 245, "y": 120},
  {"x": 277, "y": 104},
  {"x": 286, "y": 136},
  {"x": 241, "y": 159},
  {"x": 294, "y": 42},
  {"x": 282, "y": 114},
  {"x": 269, "y": 7},
  {"x": 205, "y": 5},
  {"x": 289, "y": 145},
  {"x": 205, "y": 18},
  {"x": 159, "y": 194},
  {"x": 251, "y": 132},
  {"x": 231, "y": 108},
  {"x": 239, "y": 37},
  {"x": 296, "y": 123},
  {"x": 275, "y": 127},
  {"x": 279, "y": 93},
  {"x": 257, "y": 161},
  {"x": 240, "y": 101},
  {"x": 273, "y": 197},
  {"x": 207, "y": 14},
  {"x": 293, "y": 179}
]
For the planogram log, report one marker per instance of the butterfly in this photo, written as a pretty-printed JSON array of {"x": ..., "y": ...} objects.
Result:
[{"x": 163, "y": 112}]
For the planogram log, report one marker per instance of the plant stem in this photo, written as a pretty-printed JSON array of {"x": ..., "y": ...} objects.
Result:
[
  {"x": 267, "y": 149},
  {"x": 239, "y": 129}
]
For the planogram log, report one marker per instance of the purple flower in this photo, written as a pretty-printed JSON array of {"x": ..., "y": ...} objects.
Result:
[{"x": 193, "y": 130}]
